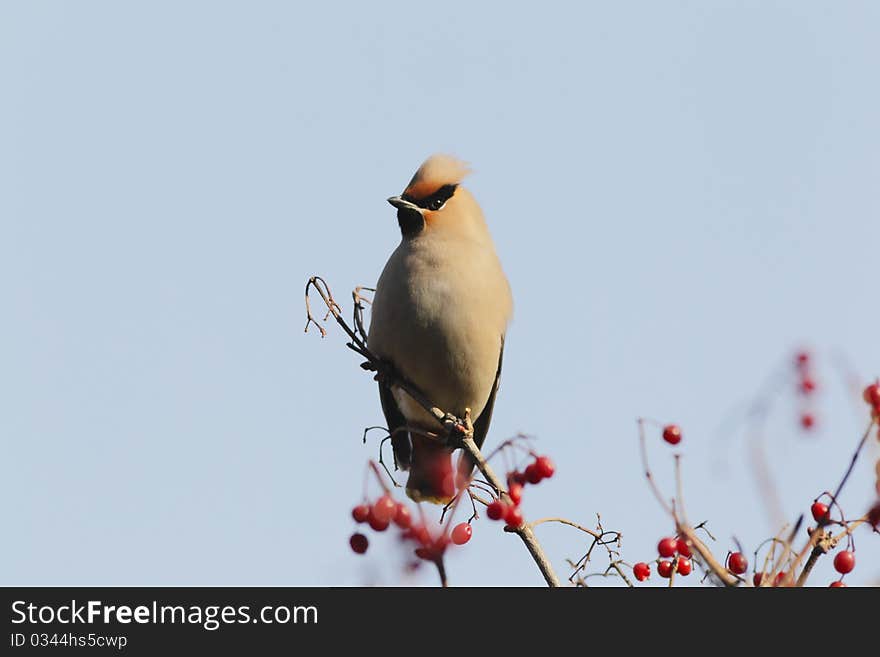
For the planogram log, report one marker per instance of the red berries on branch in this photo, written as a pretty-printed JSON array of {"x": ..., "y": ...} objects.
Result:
[
  {"x": 384, "y": 511},
  {"x": 535, "y": 472}
]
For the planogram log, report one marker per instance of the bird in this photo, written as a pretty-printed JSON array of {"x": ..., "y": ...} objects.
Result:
[{"x": 439, "y": 317}]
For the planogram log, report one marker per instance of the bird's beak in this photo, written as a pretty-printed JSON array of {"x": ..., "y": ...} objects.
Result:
[{"x": 402, "y": 204}]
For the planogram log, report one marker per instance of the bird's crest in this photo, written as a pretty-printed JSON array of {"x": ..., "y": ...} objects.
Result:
[{"x": 437, "y": 171}]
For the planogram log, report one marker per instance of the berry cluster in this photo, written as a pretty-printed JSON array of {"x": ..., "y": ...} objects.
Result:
[
  {"x": 534, "y": 473},
  {"x": 806, "y": 385},
  {"x": 668, "y": 561},
  {"x": 384, "y": 512}
]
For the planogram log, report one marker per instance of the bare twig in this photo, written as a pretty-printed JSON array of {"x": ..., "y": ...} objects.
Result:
[
  {"x": 564, "y": 521},
  {"x": 852, "y": 463}
]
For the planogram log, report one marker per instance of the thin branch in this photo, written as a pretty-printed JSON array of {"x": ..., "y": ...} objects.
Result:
[
  {"x": 564, "y": 521},
  {"x": 647, "y": 470},
  {"x": 852, "y": 464},
  {"x": 706, "y": 555}
]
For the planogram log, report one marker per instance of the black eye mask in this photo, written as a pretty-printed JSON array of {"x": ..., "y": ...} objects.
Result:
[{"x": 436, "y": 200}]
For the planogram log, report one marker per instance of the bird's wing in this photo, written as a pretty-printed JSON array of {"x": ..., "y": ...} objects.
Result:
[
  {"x": 395, "y": 420},
  {"x": 481, "y": 424}
]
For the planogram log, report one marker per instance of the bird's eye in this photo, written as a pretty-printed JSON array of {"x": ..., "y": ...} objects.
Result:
[{"x": 436, "y": 204}]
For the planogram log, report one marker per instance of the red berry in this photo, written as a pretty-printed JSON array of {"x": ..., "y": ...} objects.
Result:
[
  {"x": 844, "y": 562},
  {"x": 781, "y": 579},
  {"x": 756, "y": 579},
  {"x": 837, "y": 584},
  {"x": 666, "y": 547},
  {"x": 378, "y": 525},
  {"x": 672, "y": 434},
  {"x": 642, "y": 571},
  {"x": 358, "y": 543},
  {"x": 664, "y": 569},
  {"x": 515, "y": 491},
  {"x": 682, "y": 547},
  {"x": 402, "y": 516},
  {"x": 516, "y": 477},
  {"x": 461, "y": 533},
  {"x": 807, "y": 420},
  {"x": 807, "y": 385},
  {"x": 819, "y": 511},
  {"x": 802, "y": 358},
  {"x": 684, "y": 566},
  {"x": 532, "y": 474},
  {"x": 872, "y": 394},
  {"x": 545, "y": 467},
  {"x": 513, "y": 517},
  {"x": 496, "y": 510},
  {"x": 360, "y": 513},
  {"x": 384, "y": 509},
  {"x": 737, "y": 563}
]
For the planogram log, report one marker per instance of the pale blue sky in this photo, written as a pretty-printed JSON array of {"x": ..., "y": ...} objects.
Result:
[{"x": 682, "y": 193}]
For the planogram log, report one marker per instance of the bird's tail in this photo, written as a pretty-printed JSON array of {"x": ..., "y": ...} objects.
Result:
[{"x": 431, "y": 475}]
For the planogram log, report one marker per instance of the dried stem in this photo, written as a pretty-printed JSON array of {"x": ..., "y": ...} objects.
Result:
[{"x": 564, "y": 521}]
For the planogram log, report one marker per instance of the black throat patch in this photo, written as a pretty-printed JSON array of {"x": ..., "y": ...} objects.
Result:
[{"x": 411, "y": 222}]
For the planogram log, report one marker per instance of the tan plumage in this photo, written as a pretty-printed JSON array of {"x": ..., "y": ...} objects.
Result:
[{"x": 439, "y": 316}]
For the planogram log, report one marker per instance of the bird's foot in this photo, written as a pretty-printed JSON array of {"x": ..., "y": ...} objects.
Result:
[{"x": 458, "y": 428}]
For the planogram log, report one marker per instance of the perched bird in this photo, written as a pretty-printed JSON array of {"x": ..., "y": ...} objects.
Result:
[{"x": 439, "y": 316}]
